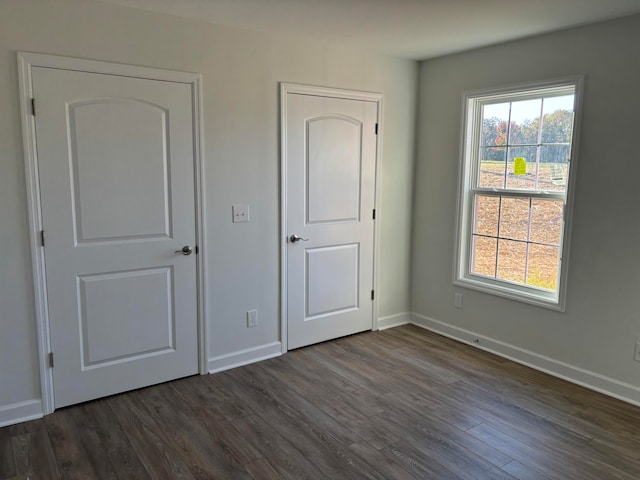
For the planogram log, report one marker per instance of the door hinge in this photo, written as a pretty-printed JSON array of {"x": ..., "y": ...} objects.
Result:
[
  {"x": 373, "y": 294},
  {"x": 374, "y": 214},
  {"x": 42, "y": 238},
  {"x": 33, "y": 106},
  {"x": 50, "y": 359},
  {"x": 376, "y": 127}
]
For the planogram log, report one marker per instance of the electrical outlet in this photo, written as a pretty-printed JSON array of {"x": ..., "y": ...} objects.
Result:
[
  {"x": 457, "y": 300},
  {"x": 636, "y": 355},
  {"x": 252, "y": 318},
  {"x": 240, "y": 213}
]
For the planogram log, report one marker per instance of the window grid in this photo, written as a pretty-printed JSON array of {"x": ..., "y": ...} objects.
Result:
[
  {"x": 545, "y": 144},
  {"x": 508, "y": 146},
  {"x": 542, "y": 244},
  {"x": 528, "y": 242},
  {"x": 495, "y": 270},
  {"x": 526, "y": 258},
  {"x": 540, "y": 125}
]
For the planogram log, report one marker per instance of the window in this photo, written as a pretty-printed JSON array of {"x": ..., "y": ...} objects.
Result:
[{"x": 518, "y": 158}]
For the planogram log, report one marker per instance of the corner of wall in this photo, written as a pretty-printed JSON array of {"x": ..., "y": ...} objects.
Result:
[
  {"x": 244, "y": 357},
  {"x": 591, "y": 380},
  {"x": 395, "y": 320}
]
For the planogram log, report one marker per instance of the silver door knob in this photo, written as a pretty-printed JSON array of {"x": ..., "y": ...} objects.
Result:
[
  {"x": 296, "y": 238},
  {"x": 186, "y": 250}
]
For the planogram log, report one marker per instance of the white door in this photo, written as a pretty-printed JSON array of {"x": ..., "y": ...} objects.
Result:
[
  {"x": 330, "y": 147},
  {"x": 116, "y": 166}
]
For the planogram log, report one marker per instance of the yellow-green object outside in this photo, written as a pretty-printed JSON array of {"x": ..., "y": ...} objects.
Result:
[{"x": 519, "y": 166}]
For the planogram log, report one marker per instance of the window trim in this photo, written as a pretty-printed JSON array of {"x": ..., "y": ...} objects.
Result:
[{"x": 464, "y": 210}]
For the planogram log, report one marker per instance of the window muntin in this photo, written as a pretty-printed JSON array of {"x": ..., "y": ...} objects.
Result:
[
  {"x": 517, "y": 240},
  {"x": 517, "y": 157}
]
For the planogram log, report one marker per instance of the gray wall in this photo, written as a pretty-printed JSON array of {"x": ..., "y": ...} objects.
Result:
[
  {"x": 598, "y": 331},
  {"x": 241, "y": 72}
]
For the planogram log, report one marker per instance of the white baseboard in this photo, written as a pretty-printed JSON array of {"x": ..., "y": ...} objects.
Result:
[
  {"x": 20, "y": 412},
  {"x": 394, "y": 320},
  {"x": 244, "y": 357},
  {"x": 591, "y": 380}
]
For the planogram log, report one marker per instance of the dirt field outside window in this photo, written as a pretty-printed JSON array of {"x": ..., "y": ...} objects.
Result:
[{"x": 503, "y": 234}]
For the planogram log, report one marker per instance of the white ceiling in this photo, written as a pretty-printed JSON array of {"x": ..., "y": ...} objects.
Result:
[{"x": 416, "y": 29}]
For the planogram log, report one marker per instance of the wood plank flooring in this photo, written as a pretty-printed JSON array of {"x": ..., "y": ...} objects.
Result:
[{"x": 399, "y": 404}]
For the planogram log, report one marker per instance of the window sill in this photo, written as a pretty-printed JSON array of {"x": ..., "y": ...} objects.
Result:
[{"x": 549, "y": 300}]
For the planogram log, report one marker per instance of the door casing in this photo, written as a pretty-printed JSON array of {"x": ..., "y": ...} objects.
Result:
[
  {"x": 293, "y": 88},
  {"x": 26, "y": 61}
]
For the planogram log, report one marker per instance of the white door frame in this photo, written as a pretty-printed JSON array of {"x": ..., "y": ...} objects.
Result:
[
  {"x": 286, "y": 88},
  {"x": 26, "y": 61}
]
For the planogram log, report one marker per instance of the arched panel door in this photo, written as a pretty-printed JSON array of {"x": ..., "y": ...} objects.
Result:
[
  {"x": 330, "y": 147},
  {"x": 116, "y": 166}
]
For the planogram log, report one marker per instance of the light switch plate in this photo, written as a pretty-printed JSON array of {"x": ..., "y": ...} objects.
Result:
[
  {"x": 252, "y": 318},
  {"x": 240, "y": 213}
]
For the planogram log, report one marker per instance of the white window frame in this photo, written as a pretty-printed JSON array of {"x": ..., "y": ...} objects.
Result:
[{"x": 472, "y": 124}]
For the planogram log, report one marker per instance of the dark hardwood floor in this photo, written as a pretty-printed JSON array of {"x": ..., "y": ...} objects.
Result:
[{"x": 398, "y": 404}]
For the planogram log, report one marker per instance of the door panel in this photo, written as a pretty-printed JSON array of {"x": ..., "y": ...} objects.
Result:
[
  {"x": 116, "y": 166},
  {"x": 332, "y": 280},
  {"x": 119, "y": 146},
  {"x": 333, "y": 170},
  {"x": 125, "y": 315},
  {"x": 330, "y": 147}
]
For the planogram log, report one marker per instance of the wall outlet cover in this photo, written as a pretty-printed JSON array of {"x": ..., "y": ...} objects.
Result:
[
  {"x": 240, "y": 212},
  {"x": 457, "y": 300}
]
